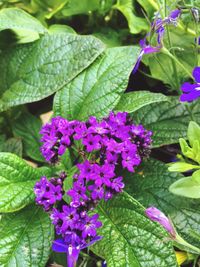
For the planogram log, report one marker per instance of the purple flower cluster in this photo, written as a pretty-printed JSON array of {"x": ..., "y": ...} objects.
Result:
[
  {"x": 102, "y": 149},
  {"x": 158, "y": 28},
  {"x": 48, "y": 192}
]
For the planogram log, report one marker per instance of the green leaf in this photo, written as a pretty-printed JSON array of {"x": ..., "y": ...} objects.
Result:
[
  {"x": 150, "y": 185},
  {"x": 188, "y": 186},
  {"x": 68, "y": 182},
  {"x": 12, "y": 145},
  {"x": 133, "y": 101},
  {"x": 129, "y": 237},
  {"x": 193, "y": 132},
  {"x": 136, "y": 24},
  {"x": 27, "y": 127},
  {"x": 34, "y": 71},
  {"x": 98, "y": 89},
  {"x": 74, "y": 7},
  {"x": 17, "y": 180},
  {"x": 24, "y": 25},
  {"x": 59, "y": 28},
  {"x": 192, "y": 153},
  {"x": 181, "y": 166},
  {"x": 167, "y": 120},
  {"x": 26, "y": 238}
]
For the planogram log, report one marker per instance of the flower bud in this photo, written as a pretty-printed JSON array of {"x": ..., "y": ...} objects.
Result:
[{"x": 156, "y": 215}]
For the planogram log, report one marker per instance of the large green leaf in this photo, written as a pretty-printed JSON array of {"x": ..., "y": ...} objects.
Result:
[
  {"x": 168, "y": 120},
  {"x": 150, "y": 185},
  {"x": 17, "y": 180},
  {"x": 25, "y": 238},
  {"x": 27, "y": 127},
  {"x": 136, "y": 24},
  {"x": 130, "y": 238},
  {"x": 34, "y": 71},
  {"x": 24, "y": 25},
  {"x": 133, "y": 101},
  {"x": 98, "y": 89}
]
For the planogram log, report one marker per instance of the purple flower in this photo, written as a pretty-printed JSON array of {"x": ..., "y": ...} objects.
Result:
[
  {"x": 92, "y": 142},
  {"x": 146, "y": 49},
  {"x": 86, "y": 170},
  {"x": 111, "y": 158},
  {"x": 157, "y": 216},
  {"x": 191, "y": 91},
  {"x": 80, "y": 131},
  {"x": 129, "y": 160},
  {"x": 117, "y": 184},
  {"x": 118, "y": 143},
  {"x": 47, "y": 193},
  {"x": 103, "y": 174},
  {"x": 91, "y": 224},
  {"x": 97, "y": 192},
  {"x": 69, "y": 217},
  {"x": 174, "y": 15},
  {"x": 78, "y": 194},
  {"x": 113, "y": 146},
  {"x": 158, "y": 26},
  {"x": 72, "y": 252},
  {"x": 160, "y": 30}
]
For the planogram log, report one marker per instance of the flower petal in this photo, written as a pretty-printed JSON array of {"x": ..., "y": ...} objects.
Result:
[
  {"x": 190, "y": 97},
  {"x": 196, "y": 74},
  {"x": 188, "y": 87},
  {"x": 59, "y": 246}
]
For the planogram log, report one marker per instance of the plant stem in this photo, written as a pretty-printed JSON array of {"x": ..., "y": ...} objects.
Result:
[
  {"x": 181, "y": 241},
  {"x": 170, "y": 45},
  {"x": 166, "y": 51}
]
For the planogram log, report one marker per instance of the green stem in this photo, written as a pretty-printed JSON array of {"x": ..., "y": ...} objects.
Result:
[
  {"x": 181, "y": 241},
  {"x": 170, "y": 45},
  {"x": 166, "y": 51}
]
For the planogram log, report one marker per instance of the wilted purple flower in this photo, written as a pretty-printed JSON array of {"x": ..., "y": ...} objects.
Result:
[
  {"x": 158, "y": 27},
  {"x": 157, "y": 216},
  {"x": 191, "y": 91}
]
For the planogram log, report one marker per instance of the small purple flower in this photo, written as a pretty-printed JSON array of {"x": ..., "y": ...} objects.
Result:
[
  {"x": 146, "y": 49},
  {"x": 191, "y": 91},
  {"x": 80, "y": 131},
  {"x": 91, "y": 224},
  {"x": 78, "y": 194},
  {"x": 69, "y": 217},
  {"x": 103, "y": 174},
  {"x": 47, "y": 193},
  {"x": 158, "y": 26},
  {"x": 113, "y": 146},
  {"x": 117, "y": 184},
  {"x": 97, "y": 192},
  {"x": 156, "y": 215},
  {"x": 111, "y": 158},
  {"x": 86, "y": 170},
  {"x": 92, "y": 142},
  {"x": 174, "y": 15}
]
